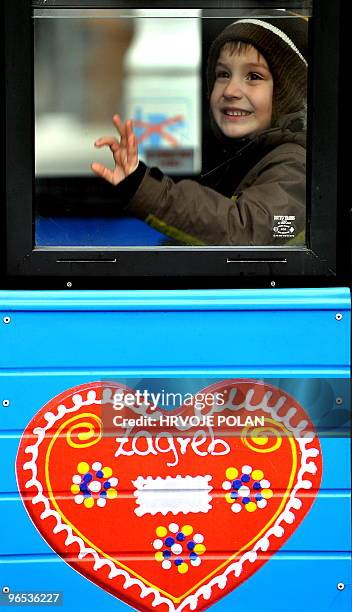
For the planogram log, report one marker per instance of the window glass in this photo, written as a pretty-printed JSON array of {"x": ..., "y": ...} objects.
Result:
[{"x": 219, "y": 128}]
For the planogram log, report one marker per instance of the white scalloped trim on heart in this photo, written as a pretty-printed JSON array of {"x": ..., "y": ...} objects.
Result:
[{"x": 262, "y": 545}]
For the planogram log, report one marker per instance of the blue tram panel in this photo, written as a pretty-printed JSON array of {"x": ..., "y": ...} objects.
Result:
[{"x": 192, "y": 514}]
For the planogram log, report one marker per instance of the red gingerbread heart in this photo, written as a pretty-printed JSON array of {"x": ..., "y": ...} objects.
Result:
[{"x": 169, "y": 514}]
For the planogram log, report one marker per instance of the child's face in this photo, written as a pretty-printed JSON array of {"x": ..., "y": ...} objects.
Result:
[{"x": 241, "y": 100}]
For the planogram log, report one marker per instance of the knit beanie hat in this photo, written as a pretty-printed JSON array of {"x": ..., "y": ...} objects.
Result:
[{"x": 283, "y": 43}]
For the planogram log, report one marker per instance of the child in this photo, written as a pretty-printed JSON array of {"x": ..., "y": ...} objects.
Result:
[{"x": 257, "y": 79}]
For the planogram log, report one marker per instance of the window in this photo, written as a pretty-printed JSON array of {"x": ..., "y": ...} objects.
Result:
[{"x": 236, "y": 179}]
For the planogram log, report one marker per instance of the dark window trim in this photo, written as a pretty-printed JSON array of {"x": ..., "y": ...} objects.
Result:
[
  {"x": 317, "y": 261},
  {"x": 165, "y": 4}
]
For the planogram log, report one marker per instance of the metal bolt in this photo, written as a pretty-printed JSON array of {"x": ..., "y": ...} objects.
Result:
[
  {"x": 273, "y": 284},
  {"x": 69, "y": 284},
  {"x": 339, "y": 401},
  {"x": 6, "y": 320},
  {"x": 5, "y": 589},
  {"x": 338, "y": 316},
  {"x": 5, "y": 403},
  {"x": 340, "y": 586}
]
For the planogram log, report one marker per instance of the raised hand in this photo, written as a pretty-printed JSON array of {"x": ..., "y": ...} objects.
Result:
[{"x": 125, "y": 153}]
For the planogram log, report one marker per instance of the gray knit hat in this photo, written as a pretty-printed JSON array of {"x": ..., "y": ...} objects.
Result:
[{"x": 283, "y": 43}]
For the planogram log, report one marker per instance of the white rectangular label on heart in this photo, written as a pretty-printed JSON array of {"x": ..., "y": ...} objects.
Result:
[{"x": 172, "y": 494}]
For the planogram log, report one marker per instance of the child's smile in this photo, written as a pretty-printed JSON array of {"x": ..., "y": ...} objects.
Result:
[
  {"x": 235, "y": 114},
  {"x": 241, "y": 100}
]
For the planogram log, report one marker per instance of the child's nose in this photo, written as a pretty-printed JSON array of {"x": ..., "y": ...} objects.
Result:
[{"x": 233, "y": 88}]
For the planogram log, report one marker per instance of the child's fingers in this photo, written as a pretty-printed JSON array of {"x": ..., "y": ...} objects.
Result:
[
  {"x": 132, "y": 153},
  {"x": 103, "y": 172},
  {"x": 130, "y": 133},
  {"x": 107, "y": 141},
  {"x": 121, "y": 159},
  {"x": 129, "y": 128},
  {"x": 120, "y": 128},
  {"x": 132, "y": 149}
]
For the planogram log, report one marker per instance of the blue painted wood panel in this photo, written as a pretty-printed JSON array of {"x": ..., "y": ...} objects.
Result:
[{"x": 57, "y": 340}]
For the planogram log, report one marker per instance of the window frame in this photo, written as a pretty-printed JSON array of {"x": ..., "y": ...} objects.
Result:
[{"x": 320, "y": 262}]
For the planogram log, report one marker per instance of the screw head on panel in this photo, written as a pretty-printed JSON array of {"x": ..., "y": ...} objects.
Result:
[
  {"x": 69, "y": 284},
  {"x": 5, "y": 589},
  {"x": 5, "y": 403},
  {"x": 6, "y": 320},
  {"x": 339, "y": 401},
  {"x": 338, "y": 316},
  {"x": 340, "y": 586}
]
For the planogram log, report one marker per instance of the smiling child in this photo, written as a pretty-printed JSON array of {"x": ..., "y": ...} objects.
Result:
[{"x": 257, "y": 80}]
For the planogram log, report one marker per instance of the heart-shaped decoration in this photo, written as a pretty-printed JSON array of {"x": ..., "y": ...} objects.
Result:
[{"x": 169, "y": 514}]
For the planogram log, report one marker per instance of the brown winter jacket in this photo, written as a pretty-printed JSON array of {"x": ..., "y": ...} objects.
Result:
[{"x": 274, "y": 187}]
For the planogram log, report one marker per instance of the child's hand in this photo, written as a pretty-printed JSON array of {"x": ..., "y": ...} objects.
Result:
[{"x": 125, "y": 153}]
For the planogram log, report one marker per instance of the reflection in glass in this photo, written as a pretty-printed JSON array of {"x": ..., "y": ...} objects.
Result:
[{"x": 87, "y": 69}]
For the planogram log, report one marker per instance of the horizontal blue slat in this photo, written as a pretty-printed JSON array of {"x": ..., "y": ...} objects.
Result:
[
  {"x": 293, "y": 583},
  {"x": 220, "y": 299},
  {"x": 329, "y": 508},
  {"x": 296, "y": 339},
  {"x": 92, "y": 373},
  {"x": 336, "y": 472},
  {"x": 28, "y": 393}
]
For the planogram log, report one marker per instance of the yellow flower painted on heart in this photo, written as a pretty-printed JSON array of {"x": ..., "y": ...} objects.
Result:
[
  {"x": 178, "y": 547},
  {"x": 93, "y": 484},
  {"x": 246, "y": 489}
]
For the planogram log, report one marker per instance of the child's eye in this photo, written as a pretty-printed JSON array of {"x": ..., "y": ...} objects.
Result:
[
  {"x": 222, "y": 74},
  {"x": 254, "y": 76}
]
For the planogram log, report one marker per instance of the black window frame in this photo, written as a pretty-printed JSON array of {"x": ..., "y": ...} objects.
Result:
[{"x": 321, "y": 262}]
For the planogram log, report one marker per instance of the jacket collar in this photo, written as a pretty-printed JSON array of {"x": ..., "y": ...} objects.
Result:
[{"x": 290, "y": 128}]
